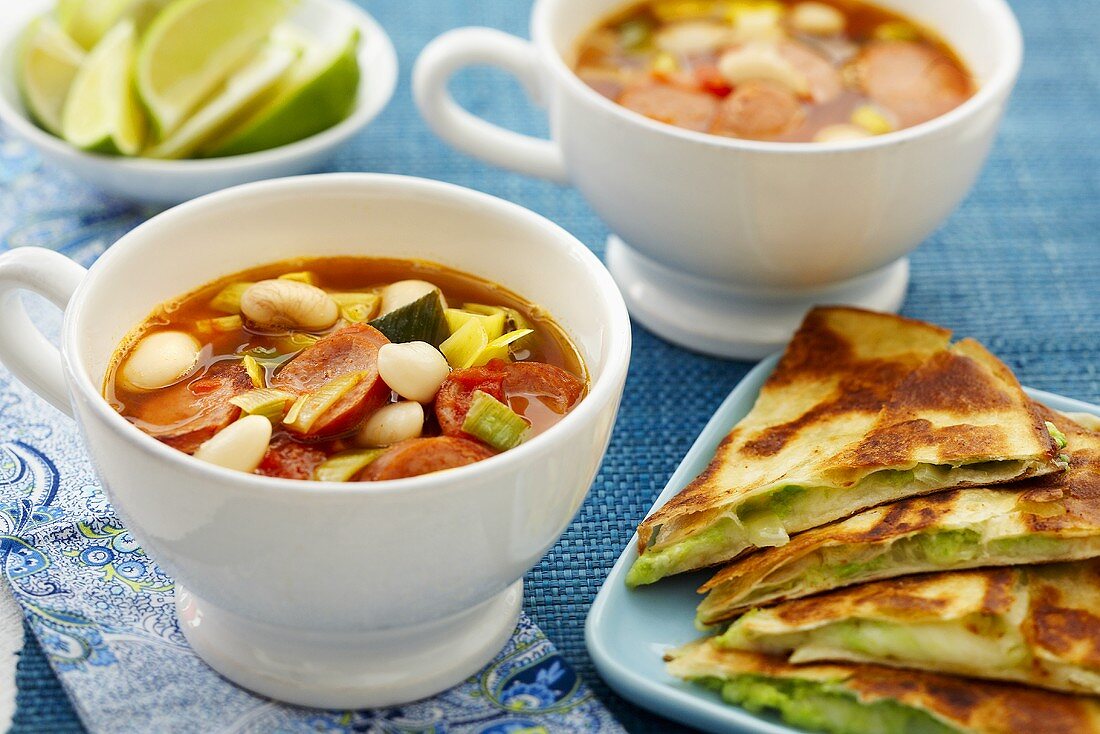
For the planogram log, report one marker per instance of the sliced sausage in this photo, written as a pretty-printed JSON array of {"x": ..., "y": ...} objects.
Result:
[
  {"x": 552, "y": 386},
  {"x": 418, "y": 456},
  {"x": 685, "y": 108},
  {"x": 822, "y": 77},
  {"x": 288, "y": 459},
  {"x": 558, "y": 389},
  {"x": 758, "y": 109},
  {"x": 185, "y": 415},
  {"x": 452, "y": 402},
  {"x": 351, "y": 349},
  {"x": 914, "y": 81}
]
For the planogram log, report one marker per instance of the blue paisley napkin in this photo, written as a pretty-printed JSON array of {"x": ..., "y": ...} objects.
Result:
[{"x": 103, "y": 611}]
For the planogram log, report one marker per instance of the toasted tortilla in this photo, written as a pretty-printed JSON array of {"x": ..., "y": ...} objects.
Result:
[
  {"x": 863, "y": 409},
  {"x": 1047, "y": 519},
  {"x": 870, "y": 699},
  {"x": 1029, "y": 624}
]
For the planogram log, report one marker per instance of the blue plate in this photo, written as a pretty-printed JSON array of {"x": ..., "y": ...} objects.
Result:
[{"x": 628, "y": 632}]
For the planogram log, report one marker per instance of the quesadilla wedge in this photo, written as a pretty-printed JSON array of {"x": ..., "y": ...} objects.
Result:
[
  {"x": 845, "y": 698},
  {"x": 863, "y": 409},
  {"x": 1051, "y": 518},
  {"x": 1029, "y": 624}
]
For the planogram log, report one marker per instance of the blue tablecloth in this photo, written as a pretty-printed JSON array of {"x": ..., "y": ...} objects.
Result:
[{"x": 1018, "y": 267}]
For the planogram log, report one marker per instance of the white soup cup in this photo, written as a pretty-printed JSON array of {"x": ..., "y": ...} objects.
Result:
[
  {"x": 322, "y": 594},
  {"x": 722, "y": 244}
]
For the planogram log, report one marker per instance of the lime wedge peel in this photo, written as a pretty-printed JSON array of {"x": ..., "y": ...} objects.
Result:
[
  {"x": 49, "y": 61},
  {"x": 101, "y": 114},
  {"x": 319, "y": 93},
  {"x": 238, "y": 95},
  {"x": 192, "y": 47}
]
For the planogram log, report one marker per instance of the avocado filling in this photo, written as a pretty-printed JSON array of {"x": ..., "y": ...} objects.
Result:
[
  {"x": 767, "y": 519},
  {"x": 838, "y": 566},
  {"x": 824, "y": 707},
  {"x": 977, "y": 643}
]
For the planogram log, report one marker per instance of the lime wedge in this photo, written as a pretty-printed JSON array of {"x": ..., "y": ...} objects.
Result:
[
  {"x": 193, "y": 46},
  {"x": 231, "y": 103},
  {"x": 49, "y": 62},
  {"x": 102, "y": 114},
  {"x": 319, "y": 93},
  {"x": 87, "y": 21}
]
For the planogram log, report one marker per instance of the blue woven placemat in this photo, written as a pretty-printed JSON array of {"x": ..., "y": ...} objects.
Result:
[{"x": 1018, "y": 267}]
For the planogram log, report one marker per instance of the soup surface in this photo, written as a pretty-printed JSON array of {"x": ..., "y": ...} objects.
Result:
[
  {"x": 766, "y": 70},
  {"x": 346, "y": 369}
]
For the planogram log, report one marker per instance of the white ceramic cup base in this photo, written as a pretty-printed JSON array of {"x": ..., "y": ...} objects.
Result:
[
  {"x": 345, "y": 670},
  {"x": 714, "y": 318}
]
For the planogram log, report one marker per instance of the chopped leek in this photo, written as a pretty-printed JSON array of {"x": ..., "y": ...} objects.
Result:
[
  {"x": 462, "y": 347},
  {"x": 302, "y": 277},
  {"x": 271, "y": 404},
  {"x": 670, "y": 11},
  {"x": 255, "y": 370},
  {"x": 357, "y": 313},
  {"x": 357, "y": 307},
  {"x": 346, "y": 465},
  {"x": 229, "y": 299},
  {"x": 222, "y": 324},
  {"x": 514, "y": 317},
  {"x": 304, "y": 414},
  {"x": 296, "y": 341},
  {"x": 635, "y": 34},
  {"x": 420, "y": 321},
  {"x": 896, "y": 31},
  {"x": 872, "y": 120},
  {"x": 492, "y": 323},
  {"x": 665, "y": 64},
  {"x": 499, "y": 348},
  {"x": 494, "y": 422}
]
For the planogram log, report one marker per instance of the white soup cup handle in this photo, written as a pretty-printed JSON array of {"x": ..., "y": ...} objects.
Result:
[
  {"x": 32, "y": 358},
  {"x": 458, "y": 49}
]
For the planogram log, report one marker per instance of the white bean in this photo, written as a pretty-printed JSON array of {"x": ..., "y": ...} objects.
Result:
[
  {"x": 392, "y": 424},
  {"x": 693, "y": 37},
  {"x": 289, "y": 304},
  {"x": 241, "y": 445},
  {"x": 414, "y": 370},
  {"x": 762, "y": 62},
  {"x": 160, "y": 360},
  {"x": 840, "y": 133},
  {"x": 817, "y": 19},
  {"x": 404, "y": 292}
]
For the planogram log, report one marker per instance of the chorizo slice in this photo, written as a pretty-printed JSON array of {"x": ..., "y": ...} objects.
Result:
[
  {"x": 758, "y": 109},
  {"x": 822, "y": 77},
  {"x": 187, "y": 414},
  {"x": 507, "y": 382},
  {"x": 452, "y": 402},
  {"x": 694, "y": 110},
  {"x": 554, "y": 387},
  {"x": 417, "y": 456},
  {"x": 349, "y": 350},
  {"x": 914, "y": 81},
  {"x": 288, "y": 459}
]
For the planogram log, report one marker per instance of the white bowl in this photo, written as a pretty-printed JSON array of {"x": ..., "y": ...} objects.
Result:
[
  {"x": 171, "y": 182},
  {"x": 722, "y": 244},
  {"x": 331, "y": 595}
]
